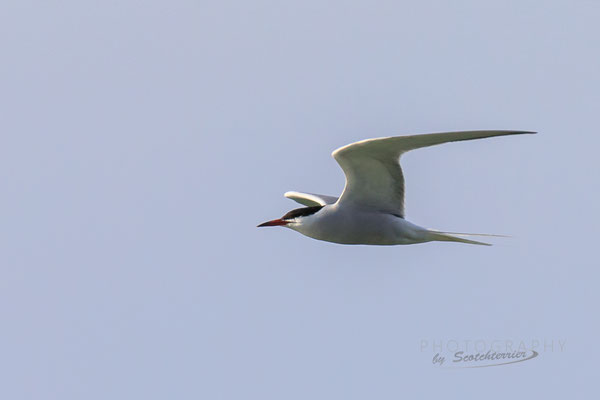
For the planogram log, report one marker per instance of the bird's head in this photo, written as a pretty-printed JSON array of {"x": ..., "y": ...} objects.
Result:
[{"x": 292, "y": 217}]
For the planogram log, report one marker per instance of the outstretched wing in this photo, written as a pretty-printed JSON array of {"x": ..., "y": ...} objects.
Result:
[
  {"x": 311, "y": 199},
  {"x": 372, "y": 167}
]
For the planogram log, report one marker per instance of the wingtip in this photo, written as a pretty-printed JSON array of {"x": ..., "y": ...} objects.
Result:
[{"x": 522, "y": 132}]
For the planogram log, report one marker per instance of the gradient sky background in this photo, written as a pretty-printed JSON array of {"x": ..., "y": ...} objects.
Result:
[{"x": 142, "y": 142}]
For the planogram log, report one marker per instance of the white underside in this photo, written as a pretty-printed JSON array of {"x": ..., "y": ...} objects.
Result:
[{"x": 348, "y": 225}]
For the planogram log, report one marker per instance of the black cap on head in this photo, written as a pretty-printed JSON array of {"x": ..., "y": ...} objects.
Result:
[{"x": 301, "y": 212}]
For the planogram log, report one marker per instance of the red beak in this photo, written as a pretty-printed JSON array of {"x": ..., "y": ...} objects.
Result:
[{"x": 275, "y": 222}]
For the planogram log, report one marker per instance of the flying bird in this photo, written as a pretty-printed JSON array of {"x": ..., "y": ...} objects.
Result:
[{"x": 371, "y": 208}]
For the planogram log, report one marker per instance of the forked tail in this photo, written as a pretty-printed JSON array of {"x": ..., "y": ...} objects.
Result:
[{"x": 456, "y": 237}]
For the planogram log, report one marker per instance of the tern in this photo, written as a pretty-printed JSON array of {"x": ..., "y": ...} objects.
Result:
[{"x": 370, "y": 210}]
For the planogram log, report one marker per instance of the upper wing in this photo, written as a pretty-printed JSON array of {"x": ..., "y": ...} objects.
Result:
[
  {"x": 372, "y": 167},
  {"x": 311, "y": 199}
]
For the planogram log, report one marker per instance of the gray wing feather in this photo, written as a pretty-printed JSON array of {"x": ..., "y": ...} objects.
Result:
[
  {"x": 311, "y": 199},
  {"x": 374, "y": 177}
]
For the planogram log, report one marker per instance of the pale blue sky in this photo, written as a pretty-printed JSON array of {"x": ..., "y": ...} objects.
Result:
[{"x": 142, "y": 142}]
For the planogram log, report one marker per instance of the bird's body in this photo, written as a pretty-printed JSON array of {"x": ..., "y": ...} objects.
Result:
[
  {"x": 371, "y": 209},
  {"x": 355, "y": 225}
]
